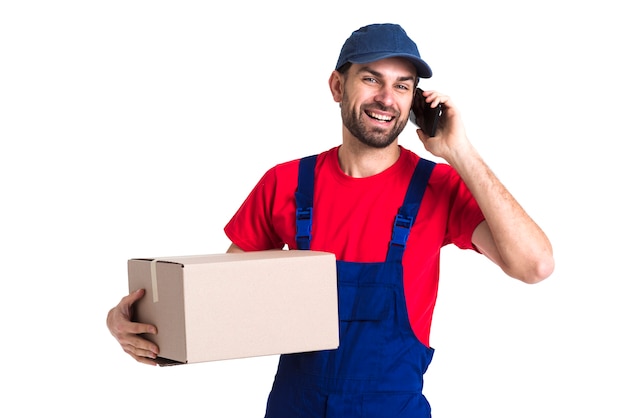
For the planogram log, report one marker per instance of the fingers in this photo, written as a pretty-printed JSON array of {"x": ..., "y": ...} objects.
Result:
[
  {"x": 136, "y": 328},
  {"x": 133, "y": 297},
  {"x": 435, "y": 98},
  {"x": 143, "y": 359},
  {"x": 146, "y": 361},
  {"x": 119, "y": 317},
  {"x": 139, "y": 348},
  {"x": 127, "y": 332}
]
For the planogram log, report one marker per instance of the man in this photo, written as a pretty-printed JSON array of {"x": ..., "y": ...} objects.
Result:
[{"x": 385, "y": 213}]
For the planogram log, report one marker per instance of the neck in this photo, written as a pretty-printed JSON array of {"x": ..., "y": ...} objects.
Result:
[{"x": 358, "y": 160}]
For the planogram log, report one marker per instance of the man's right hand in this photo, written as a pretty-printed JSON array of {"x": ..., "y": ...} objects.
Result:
[{"x": 127, "y": 332}]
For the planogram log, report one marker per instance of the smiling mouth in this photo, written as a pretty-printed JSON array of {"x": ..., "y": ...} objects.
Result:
[{"x": 379, "y": 117}]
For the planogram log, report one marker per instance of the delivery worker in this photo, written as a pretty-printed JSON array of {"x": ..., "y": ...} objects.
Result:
[{"x": 385, "y": 213}]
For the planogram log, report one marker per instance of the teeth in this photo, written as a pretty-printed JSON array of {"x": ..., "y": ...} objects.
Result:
[{"x": 380, "y": 117}]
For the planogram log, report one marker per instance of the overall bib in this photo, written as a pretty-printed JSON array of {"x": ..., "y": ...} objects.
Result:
[{"x": 378, "y": 369}]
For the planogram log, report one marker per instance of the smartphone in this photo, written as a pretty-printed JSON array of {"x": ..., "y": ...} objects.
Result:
[{"x": 424, "y": 116}]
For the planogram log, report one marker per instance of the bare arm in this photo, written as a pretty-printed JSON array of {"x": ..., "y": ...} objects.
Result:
[
  {"x": 508, "y": 236},
  {"x": 234, "y": 249}
]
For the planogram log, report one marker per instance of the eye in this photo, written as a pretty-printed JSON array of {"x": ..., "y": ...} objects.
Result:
[{"x": 371, "y": 80}]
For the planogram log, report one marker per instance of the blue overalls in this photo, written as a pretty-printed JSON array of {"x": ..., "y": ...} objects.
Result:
[{"x": 378, "y": 369}]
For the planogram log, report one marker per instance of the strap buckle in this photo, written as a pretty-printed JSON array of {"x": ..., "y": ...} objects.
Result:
[
  {"x": 401, "y": 228},
  {"x": 303, "y": 223}
]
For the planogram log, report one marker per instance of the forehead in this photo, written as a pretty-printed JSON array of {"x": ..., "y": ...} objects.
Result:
[{"x": 395, "y": 67}]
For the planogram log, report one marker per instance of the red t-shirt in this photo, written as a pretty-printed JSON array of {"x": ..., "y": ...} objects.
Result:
[{"x": 353, "y": 218}]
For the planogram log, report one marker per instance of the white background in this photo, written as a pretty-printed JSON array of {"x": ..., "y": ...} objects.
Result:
[{"x": 136, "y": 129}]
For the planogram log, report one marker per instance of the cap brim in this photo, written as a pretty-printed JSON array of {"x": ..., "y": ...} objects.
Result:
[{"x": 423, "y": 69}]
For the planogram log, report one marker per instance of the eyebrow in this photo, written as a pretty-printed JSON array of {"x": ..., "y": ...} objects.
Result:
[{"x": 380, "y": 75}]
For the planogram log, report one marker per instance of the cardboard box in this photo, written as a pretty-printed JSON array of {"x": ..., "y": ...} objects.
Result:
[{"x": 226, "y": 306}]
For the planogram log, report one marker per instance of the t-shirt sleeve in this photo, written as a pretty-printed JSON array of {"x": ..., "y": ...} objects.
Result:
[
  {"x": 251, "y": 226},
  {"x": 465, "y": 214}
]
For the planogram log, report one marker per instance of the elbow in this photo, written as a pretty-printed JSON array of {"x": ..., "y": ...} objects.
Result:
[{"x": 538, "y": 271}]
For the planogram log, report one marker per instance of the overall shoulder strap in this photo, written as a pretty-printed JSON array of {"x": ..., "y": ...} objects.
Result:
[
  {"x": 304, "y": 202},
  {"x": 409, "y": 209}
]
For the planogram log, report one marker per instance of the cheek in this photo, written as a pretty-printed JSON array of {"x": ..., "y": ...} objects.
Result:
[
  {"x": 408, "y": 105},
  {"x": 347, "y": 102}
]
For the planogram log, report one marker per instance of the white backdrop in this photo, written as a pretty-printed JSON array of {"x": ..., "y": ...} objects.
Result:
[{"x": 136, "y": 128}]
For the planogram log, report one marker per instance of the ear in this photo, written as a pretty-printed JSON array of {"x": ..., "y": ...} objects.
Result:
[{"x": 335, "y": 82}]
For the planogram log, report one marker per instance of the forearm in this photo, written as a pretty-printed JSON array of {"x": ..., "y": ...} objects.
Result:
[
  {"x": 511, "y": 239},
  {"x": 234, "y": 249}
]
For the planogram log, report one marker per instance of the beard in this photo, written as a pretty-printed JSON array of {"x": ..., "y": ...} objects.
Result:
[{"x": 373, "y": 137}]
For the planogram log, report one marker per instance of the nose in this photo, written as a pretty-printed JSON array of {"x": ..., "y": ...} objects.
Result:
[{"x": 384, "y": 96}]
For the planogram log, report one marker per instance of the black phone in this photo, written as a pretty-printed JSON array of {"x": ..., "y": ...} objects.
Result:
[{"x": 424, "y": 116}]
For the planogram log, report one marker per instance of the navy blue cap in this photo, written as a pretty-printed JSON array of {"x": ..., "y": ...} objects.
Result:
[{"x": 382, "y": 40}]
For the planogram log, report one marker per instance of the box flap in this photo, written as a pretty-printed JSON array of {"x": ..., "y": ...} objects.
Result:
[{"x": 234, "y": 257}]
